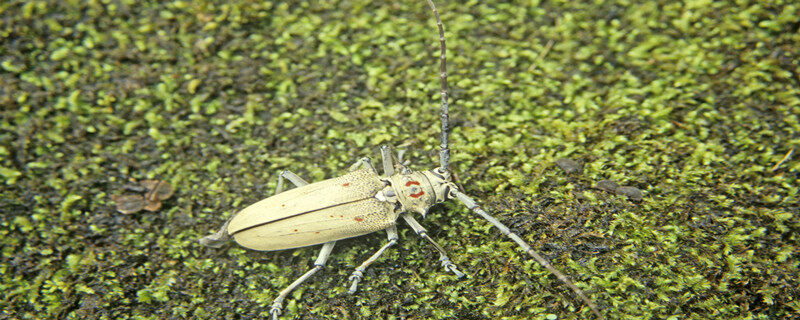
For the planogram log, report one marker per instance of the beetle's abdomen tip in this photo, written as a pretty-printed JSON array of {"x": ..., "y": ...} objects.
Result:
[{"x": 211, "y": 241}]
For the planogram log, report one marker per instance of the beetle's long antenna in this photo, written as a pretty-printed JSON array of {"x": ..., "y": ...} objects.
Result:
[
  {"x": 444, "y": 148},
  {"x": 527, "y": 248}
]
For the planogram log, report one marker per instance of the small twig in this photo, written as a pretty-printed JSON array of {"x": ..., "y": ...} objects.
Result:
[
  {"x": 546, "y": 50},
  {"x": 785, "y": 158},
  {"x": 542, "y": 54}
]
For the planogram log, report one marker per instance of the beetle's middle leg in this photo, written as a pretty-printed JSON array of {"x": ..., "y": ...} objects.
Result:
[
  {"x": 318, "y": 264},
  {"x": 420, "y": 230},
  {"x": 357, "y": 275}
]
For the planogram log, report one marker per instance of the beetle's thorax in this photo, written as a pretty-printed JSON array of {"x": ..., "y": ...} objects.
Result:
[{"x": 416, "y": 191}]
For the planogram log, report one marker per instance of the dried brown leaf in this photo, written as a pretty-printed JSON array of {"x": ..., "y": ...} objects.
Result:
[{"x": 129, "y": 203}]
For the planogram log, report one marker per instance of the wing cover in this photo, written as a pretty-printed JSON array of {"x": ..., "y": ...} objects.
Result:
[
  {"x": 346, "y": 193},
  {"x": 315, "y": 227}
]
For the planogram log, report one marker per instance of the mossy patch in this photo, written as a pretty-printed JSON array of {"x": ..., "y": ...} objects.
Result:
[{"x": 692, "y": 103}]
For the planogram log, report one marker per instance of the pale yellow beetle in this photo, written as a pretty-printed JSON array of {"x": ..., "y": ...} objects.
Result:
[{"x": 358, "y": 203}]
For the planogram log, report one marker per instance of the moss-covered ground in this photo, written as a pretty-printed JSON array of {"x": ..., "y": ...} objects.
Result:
[{"x": 692, "y": 102}]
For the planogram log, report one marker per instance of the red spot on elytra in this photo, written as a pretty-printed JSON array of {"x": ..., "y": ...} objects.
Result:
[
  {"x": 359, "y": 219},
  {"x": 346, "y": 184},
  {"x": 416, "y": 195},
  {"x": 317, "y": 232},
  {"x": 412, "y": 183}
]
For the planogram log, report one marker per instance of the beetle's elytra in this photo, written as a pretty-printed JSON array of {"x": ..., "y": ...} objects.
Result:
[
  {"x": 358, "y": 203},
  {"x": 341, "y": 208}
]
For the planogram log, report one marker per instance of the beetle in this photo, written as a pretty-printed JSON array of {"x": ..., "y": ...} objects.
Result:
[{"x": 358, "y": 203}]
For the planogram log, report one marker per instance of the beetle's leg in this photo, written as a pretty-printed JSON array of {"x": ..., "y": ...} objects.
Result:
[
  {"x": 388, "y": 166},
  {"x": 402, "y": 164},
  {"x": 420, "y": 230},
  {"x": 218, "y": 239},
  {"x": 292, "y": 177},
  {"x": 318, "y": 264},
  {"x": 365, "y": 162},
  {"x": 391, "y": 232},
  {"x": 525, "y": 247}
]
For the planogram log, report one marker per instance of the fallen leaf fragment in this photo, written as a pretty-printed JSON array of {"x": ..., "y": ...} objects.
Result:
[
  {"x": 129, "y": 203},
  {"x": 157, "y": 190},
  {"x": 152, "y": 206}
]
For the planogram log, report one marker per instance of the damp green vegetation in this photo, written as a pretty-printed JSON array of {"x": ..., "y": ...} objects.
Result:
[{"x": 692, "y": 104}]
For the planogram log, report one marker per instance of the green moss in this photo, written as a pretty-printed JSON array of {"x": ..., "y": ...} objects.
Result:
[{"x": 693, "y": 103}]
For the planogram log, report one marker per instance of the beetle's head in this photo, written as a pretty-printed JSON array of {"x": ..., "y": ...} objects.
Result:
[{"x": 418, "y": 191}]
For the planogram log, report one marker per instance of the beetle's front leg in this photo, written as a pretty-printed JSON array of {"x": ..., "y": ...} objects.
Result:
[
  {"x": 357, "y": 275},
  {"x": 388, "y": 166},
  {"x": 318, "y": 264},
  {"x": 443, "y": 258},
  {"x": 219, "y": 238}
]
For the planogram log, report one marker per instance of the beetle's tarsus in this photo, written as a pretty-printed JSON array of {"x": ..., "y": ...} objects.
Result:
[
  {"x": 318, "y": 265},
  {"x": 358, "y": 274},
  {"x": 443, "y": 258},
  {"x": 355, "y": 277},
  {"x": 275, "y": 311},
  {"x": 449, "y": 266}
]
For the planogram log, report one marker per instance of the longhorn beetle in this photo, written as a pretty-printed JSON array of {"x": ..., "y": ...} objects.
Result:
[{"x": 358, "y": 203}]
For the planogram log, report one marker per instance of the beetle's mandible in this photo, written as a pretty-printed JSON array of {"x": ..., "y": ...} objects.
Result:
[{"x": 358, "y": 203}]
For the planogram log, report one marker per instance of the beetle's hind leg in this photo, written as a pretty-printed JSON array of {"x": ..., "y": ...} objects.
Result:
[
  {"x": 420, "y": 230},
  {"x": 318, "y": 264},
  {"x": 357, "y": 275},
  {"x": 292, "y": 177}
]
